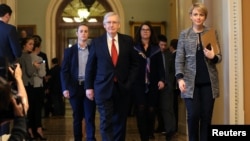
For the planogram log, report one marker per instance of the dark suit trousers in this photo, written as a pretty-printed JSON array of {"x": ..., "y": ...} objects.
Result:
[
  {"x": 167, "y": 110},
  {"x": 83, "y": 108},
  {"x": 113, "y": 116},
  {"x": 199, "y": 113}
]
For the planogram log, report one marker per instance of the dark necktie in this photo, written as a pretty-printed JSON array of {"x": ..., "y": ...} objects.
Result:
[{"x": 114, "y": 54}]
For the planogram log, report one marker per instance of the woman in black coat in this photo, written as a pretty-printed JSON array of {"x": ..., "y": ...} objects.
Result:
[{"x": 149, "y": 81}]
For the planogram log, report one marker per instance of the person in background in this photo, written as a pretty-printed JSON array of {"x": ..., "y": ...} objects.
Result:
[
  {"x": 73, "y": 80},
  {"x": 47, "y": 105},
  {"x": 10, "y": 49},
  {"x": 197, "y": 75},
  {"x": 37, "y": 38},
  {"x": 10, "y": 103},
  {"x": 37, "y": 97},
  {"x": 111, "y": 70},
  {"x": 162, "y": 42},
  {"x": 167, "y": 95},
  {"x": 23, "y": 34},
  {"x": 172, "y": 49},
  {"x": 55, "y": 88},
  {"x": 149, "y": 81},
  {"x": 29, "y": 68}
]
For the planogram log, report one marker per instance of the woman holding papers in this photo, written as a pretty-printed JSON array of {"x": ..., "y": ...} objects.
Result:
[{"x": 197, "y": 74}]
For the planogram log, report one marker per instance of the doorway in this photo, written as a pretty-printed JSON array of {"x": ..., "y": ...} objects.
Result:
[{"x": 66, "y": 29}]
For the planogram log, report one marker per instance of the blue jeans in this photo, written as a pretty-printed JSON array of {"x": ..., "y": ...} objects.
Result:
[{"x": 199, "y": 113}]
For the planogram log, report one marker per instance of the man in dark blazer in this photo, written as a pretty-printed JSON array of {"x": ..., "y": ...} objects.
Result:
[
  {"x": 168, "y": 96},
  {"x": 10, "y": 48},
  {"x": 110, "y": 83},
  {"x": 73, "y": 81}
]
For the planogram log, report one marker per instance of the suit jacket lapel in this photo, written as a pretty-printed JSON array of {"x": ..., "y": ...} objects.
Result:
[
  {"x": 105, "y": 48},
  {"x": 121, "y": 47},
  {"x": 75, "y": 57}
]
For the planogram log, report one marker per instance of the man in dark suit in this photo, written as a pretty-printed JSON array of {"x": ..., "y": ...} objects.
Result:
[
  {"x": 73, "y": 81},
  {"x": 10, "y": 48},
  {"x": 172, "y": 48},
  {"x": 167, "y": 95},
  {"x": 109, "y": 79},
  {"x": 55, "y": 88}
]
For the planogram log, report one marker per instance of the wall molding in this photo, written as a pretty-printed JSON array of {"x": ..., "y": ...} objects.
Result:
[{"x": 235, "y": 67}]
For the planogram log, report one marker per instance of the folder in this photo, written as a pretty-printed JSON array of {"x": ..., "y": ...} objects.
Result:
[{"x": 209, "y": 39}]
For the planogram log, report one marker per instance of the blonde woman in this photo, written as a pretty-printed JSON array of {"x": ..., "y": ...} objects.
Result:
[{"x": 197, "y": 74}]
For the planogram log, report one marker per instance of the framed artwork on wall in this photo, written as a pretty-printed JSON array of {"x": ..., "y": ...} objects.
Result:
[
  {"x": 30, "y": 29},
  {"x": 159, "y": 27}
]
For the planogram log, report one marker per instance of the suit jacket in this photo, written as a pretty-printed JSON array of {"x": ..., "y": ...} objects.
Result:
[
  {"x": 69, "y": 70},
  {"x": 185, "y": 63},
  {"x": 9, "y": 42},
  {"x": 54, "y": 83},
  {"x": 156, "y": 73},
  {"x": 100, "y": 70},
  {"x": 169, "y": 70}
]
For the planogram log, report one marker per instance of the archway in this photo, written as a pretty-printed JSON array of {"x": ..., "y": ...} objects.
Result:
[{"x": 51, "y": 16}]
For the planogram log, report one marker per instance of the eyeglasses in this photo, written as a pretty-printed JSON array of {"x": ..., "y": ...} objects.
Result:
[{"x": 145, "y": 30}]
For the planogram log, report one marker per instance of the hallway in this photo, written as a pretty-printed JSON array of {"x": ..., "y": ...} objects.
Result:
[{"x": 60, "y": 129}]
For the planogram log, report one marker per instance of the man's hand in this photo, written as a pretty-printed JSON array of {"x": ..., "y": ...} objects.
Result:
[
  {"x": 161, "y": 85},
  {"x": 66, "y": 94},
  {"x": 90, "y": 94}
]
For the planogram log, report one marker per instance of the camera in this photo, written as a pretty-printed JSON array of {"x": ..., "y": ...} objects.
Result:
[
  {"x": 13, "y": 66},
  {"x": 40, "y": 62},
  {"x": 10, "y": 76}
]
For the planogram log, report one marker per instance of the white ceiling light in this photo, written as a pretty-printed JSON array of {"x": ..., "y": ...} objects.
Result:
[
  {"x": 78, "y": 19},
  {"x": 83, "y": 13},
  {"x": 92, "y": 20},
  {"x": 68, "y": 20}
]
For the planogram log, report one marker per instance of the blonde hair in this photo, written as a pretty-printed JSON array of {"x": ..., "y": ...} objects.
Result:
[{"x": 200, "y": 7}]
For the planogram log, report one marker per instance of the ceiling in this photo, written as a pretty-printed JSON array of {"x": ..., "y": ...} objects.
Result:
[{"x": 71, "y": 10}]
